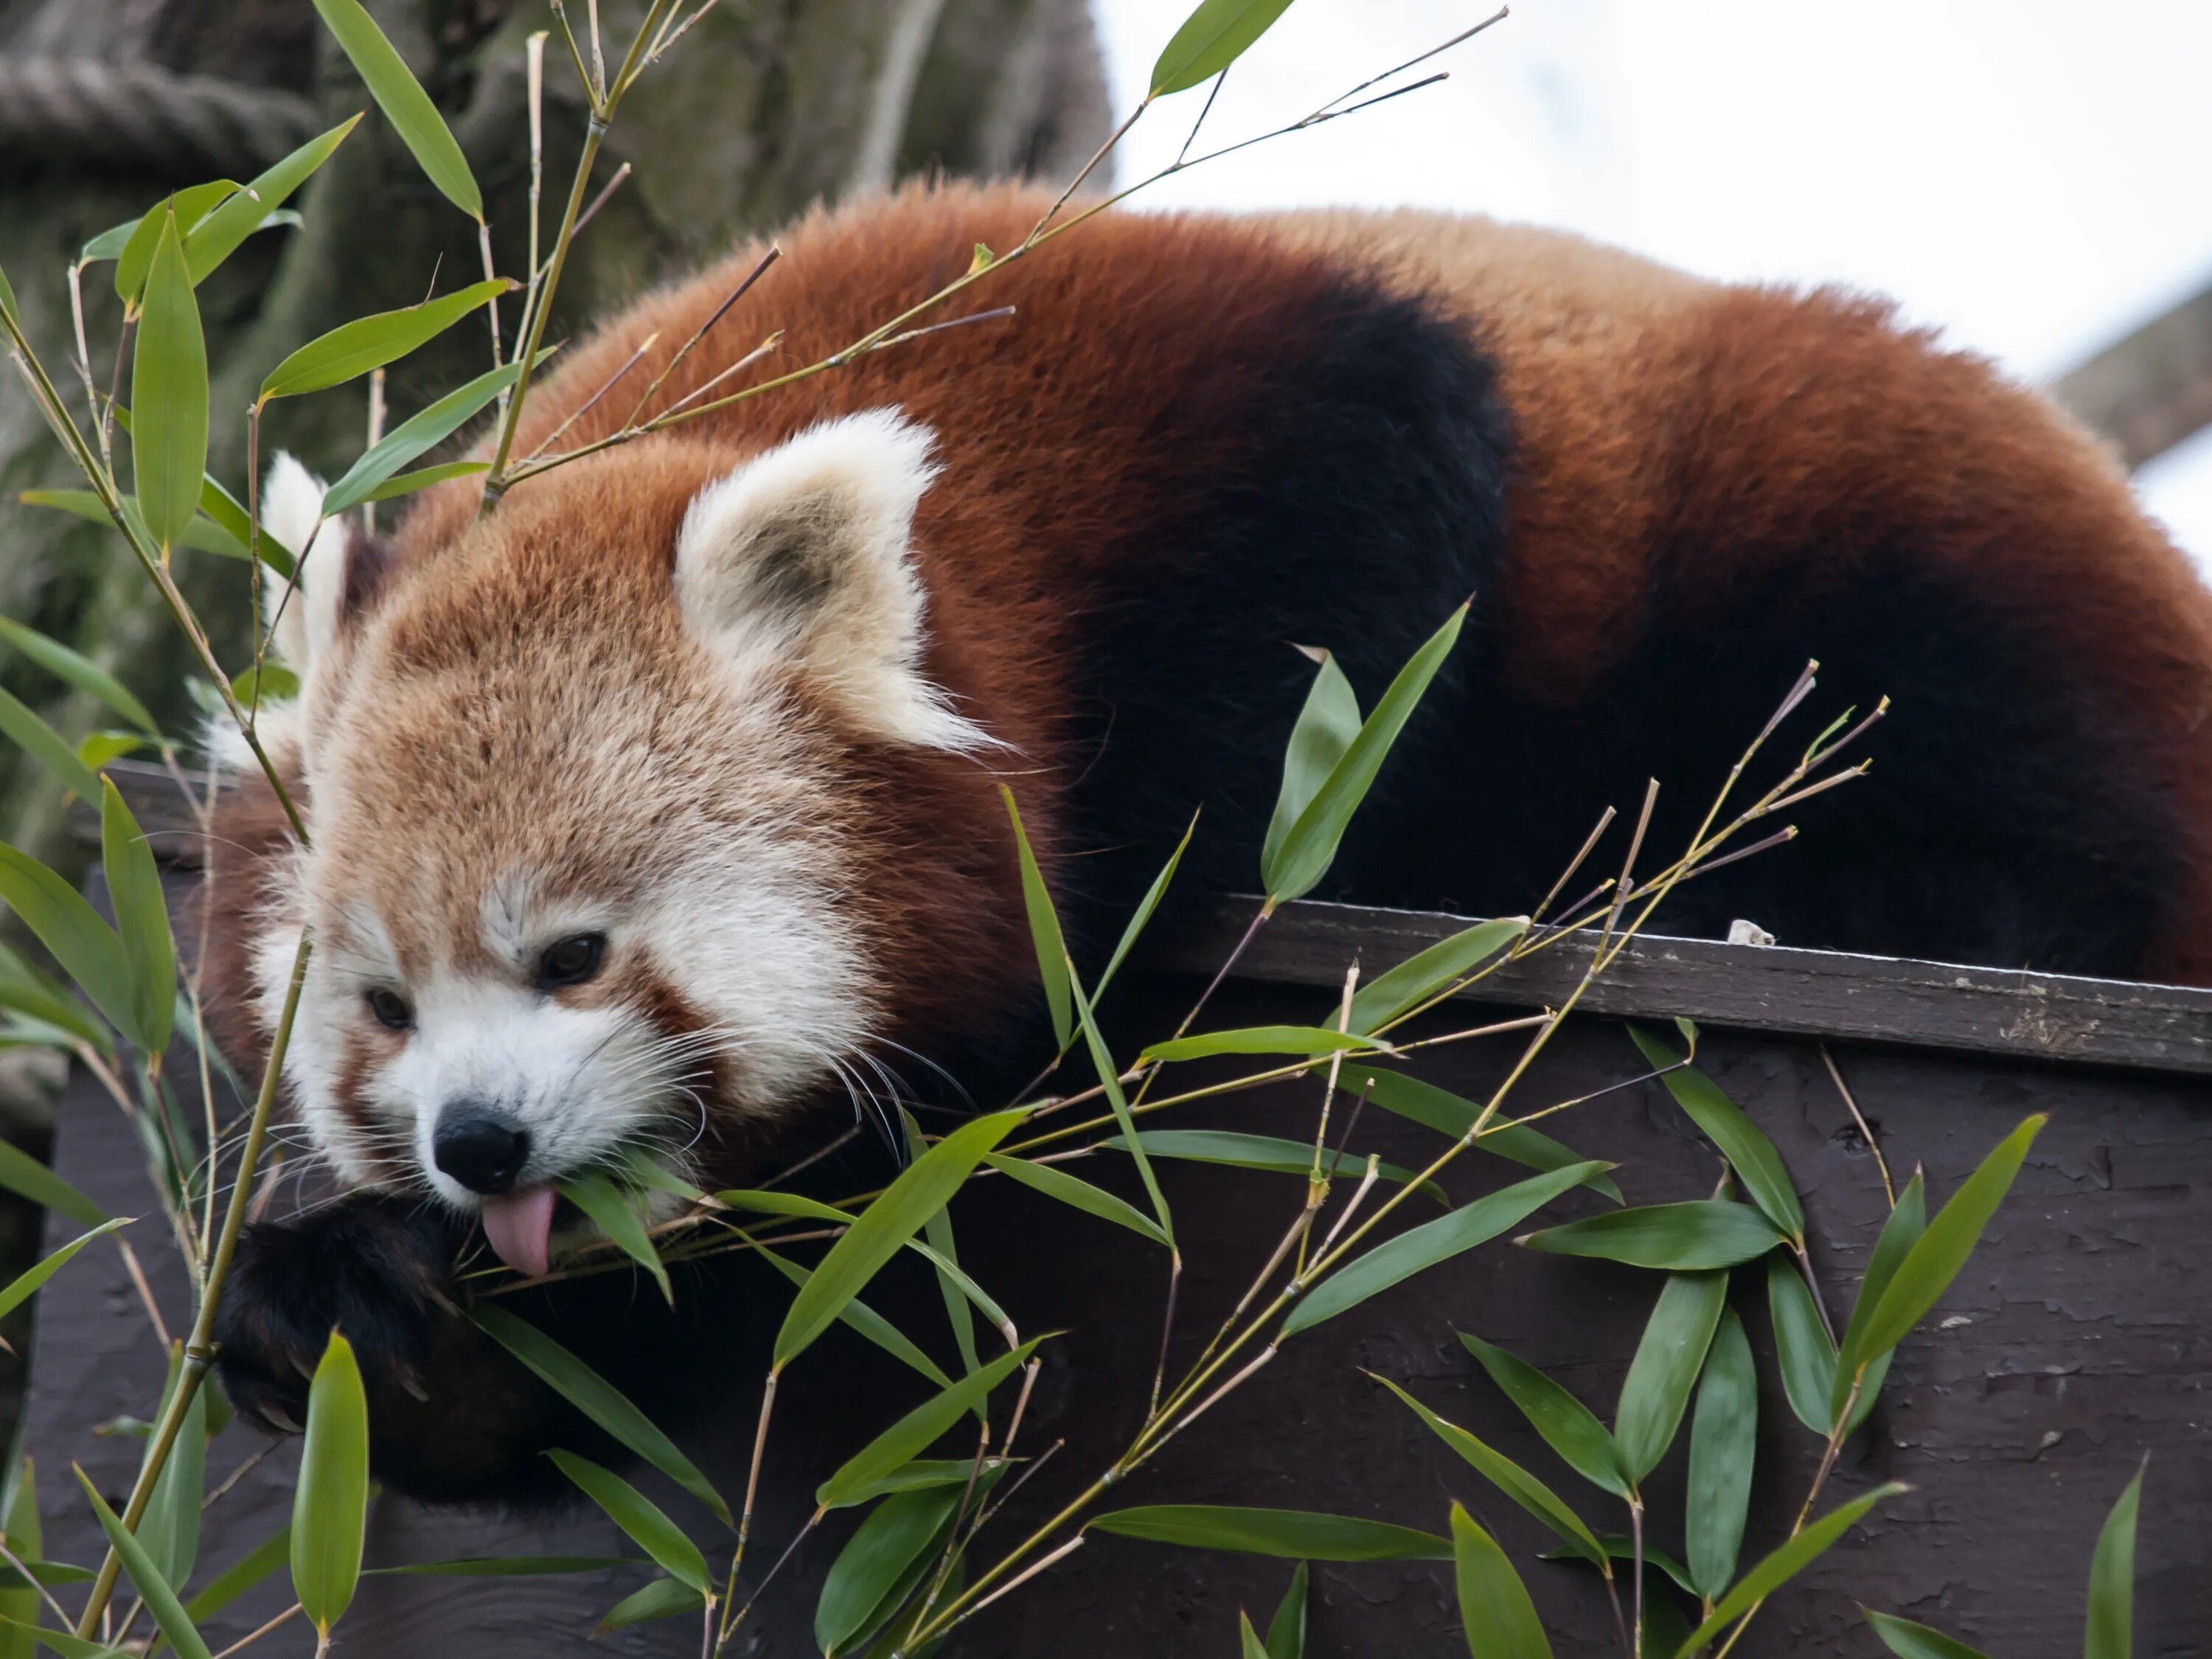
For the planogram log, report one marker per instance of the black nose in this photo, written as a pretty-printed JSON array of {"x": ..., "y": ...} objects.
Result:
[{"x": 480, "y": 1148}]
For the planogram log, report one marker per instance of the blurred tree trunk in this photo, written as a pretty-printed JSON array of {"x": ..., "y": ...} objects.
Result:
[{"x": 765, "y": 106}]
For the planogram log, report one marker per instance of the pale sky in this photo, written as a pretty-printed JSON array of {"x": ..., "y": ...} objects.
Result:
[{"x": 2034, "y": 176}]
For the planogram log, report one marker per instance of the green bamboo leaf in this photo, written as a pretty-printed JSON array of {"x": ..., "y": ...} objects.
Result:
[
  {"x": 912, "y": 1434},
  {"x": 1143, "y": 913},
  {"x": 1327, "y": 724},
  {"x": 599, "y": 1400},
  {"x": 922, "y": 1473},
  {"x": 1909, "y": 1641},
  {"x": 1311, "y": 1041},
  {"x": 86, "y": 947},
  {"x": 78, "y": 670},
  {"x": 1515, "y": 1482},
  {"x": 2111, "y": 1633},
  {"x": 31, "y": 734},
  {"x": 1454, "y": 1116},
  {"x": 1908, "y": 1220},
  {"x": 408, "y": 483},
  {"x": 1270, "y": 1152},
  {"x": 867, "y": 1322},
  {"x": 404, "y": 103},
  {"x": 1936, "y": 1260},
  {"x": 257, "y": 1565},
  {"x": 1286, "y": 1631},
  {"x": 330, "y": 1504},
  {"x": 202, "y": 534},
  {"x": 270, "y": 682},
  {"x": 896, "y": 1536},
  {"x": 663, "y": 1598},
  {"x": 27, "y": 991},
  {"x": 1494, "y": 1608},
  {"x": 1211, "y": 39},
  {"x": 67, "y": 1644},
  {"x": 1568, "y": 1427},
  {"x": 25, "y": 1176},
  {"x": 770, "y": 1202},
  {"x": 1055, "y": 1184},
  {"x": 1293, "y": 1535},
  {"x": 1723, "y": 1442},
  {"x": 1420, "y": 976},
  {"x": 869, "y": 1635},
  {"x": 134, "y": 253},
  {"x": 170, "y": 1528},
  {"x": 141, "y": 919},
  {"x": 160, "y": 1597},
  {"x": 614, "y": 1214},
  {"x": 218, "y": 236},
  {"x": 20, "y": 1604},
  {"x": 639, "y": 1516},
  {"x": 1309, "y": 847},
  {"x": 1749, "y": 1153},
  {"x": 102, "y": 749},
  {"x": 1666, "y": 1366},
  {"x": 1671, "y": 1238},
  {"x": 956, "y": 1289},
  {"x": 1044, "y": 931},
  {"x": 881, "y": 1230},
  {"x": 505, "y": 1566},
  {"x": 413, "y": 436},
  {"x": 1424, "y": 1246},
  {"x": 355, "y": 347},
  {"x": 1806, "y": 1358},
  {"x": 1783, "y": 1565},
  {"x": 1248, "y": 1639},
  {"x": 7, "y": 298},
  {"x": 1102, "y": 1061},
  {"x": 1619, "y": 1547},
  {"x": 169, "y": 395}
]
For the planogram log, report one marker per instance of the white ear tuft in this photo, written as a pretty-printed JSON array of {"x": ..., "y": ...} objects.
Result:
[
  {"x": 802, "y": 555},
  {"x": 307, "y": 616}
]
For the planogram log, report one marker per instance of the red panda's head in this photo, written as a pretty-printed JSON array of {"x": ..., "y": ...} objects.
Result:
[{"x": 580, "y": 796}]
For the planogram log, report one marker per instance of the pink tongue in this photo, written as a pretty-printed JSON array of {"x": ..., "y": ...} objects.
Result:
[{"x": 519, "y": 1225}]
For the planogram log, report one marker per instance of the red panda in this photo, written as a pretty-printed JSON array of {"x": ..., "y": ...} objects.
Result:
[{"x": 652, "y": 806}]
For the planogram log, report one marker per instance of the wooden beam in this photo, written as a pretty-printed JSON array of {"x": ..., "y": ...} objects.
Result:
[{"x": 2149, "y": 391}]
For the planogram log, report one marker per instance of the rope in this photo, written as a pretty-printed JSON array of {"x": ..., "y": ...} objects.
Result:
[{"x": 72, "y": 111}]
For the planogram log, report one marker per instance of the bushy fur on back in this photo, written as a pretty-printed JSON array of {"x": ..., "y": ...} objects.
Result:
[{"x": 735, "y": 699}]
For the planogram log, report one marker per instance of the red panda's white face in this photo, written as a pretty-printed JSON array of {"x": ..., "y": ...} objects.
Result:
[{"x": 579, "y": 881}]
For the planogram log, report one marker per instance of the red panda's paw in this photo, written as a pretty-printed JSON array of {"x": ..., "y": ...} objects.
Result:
[{"x": 451, "y": 1416}]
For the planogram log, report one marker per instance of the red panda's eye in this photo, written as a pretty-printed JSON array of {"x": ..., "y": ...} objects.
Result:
[
  {"x": 572, "y": 961},
  {"x": 389, "y": 1006}
]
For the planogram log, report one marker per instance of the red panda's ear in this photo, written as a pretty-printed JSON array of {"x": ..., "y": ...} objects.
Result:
[
  {"x": 801, "y": 556},
  {"x": 339, "y": 569}
]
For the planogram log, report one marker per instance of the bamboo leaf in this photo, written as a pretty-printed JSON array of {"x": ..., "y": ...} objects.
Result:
[
  {"x": 1749, "y": 1153},
  {"x": 134, "y": 251},
  {"x": 20, "y": 1604},
  {"x": 1270, "y": 1152},
  {"x": 408, "y": 483},
  {"x": 86, "y": 947},
  {"x": 413, "y": 436},
  {"x": 867, "y": 1322},
  {"x": 169, "y": 395},
  {"x": 1936, "y": 1260},
  {"x": 1211, "y": 39},
  {"x": 599, "y": 1400},
  {"x": 202, "y": 534},
  {"x": 1666, "y": 1366},
  {"x": 1671, "y": 1238},
  {"x": 1248, "y": 1639},
  {"x": 170, "y": 1528},
  {"x": 257, "y": 1565},
  {"x": 1143, "y": 913},
  {"x": 923, "y": 1473},
  {"x": 639, "y": 1516},
  {"x": 881, "y": 1230},
  {"x": 1783, "y": 1565},
  {"x": 67, "y": 1644},
  {"x": 912, "y": 1434},
  {"x": 1286, "y": 1631},
  {"x": 1293, "y": 1535},
  {"x": 896, "y": 1535},
  {"x": 24, "y": 1176},
  {"x": 7, "y": 298},
  {"x": 1426, "y": 1245},
  {"x": 161, "y": 1598},
  {"x": 1053, "y": 971},
  {"x": 1909, "y": 1641},
  {"x": 355, "y": 347},
  {"x": 1111, "y": 1081},
  {"x": 956, "y": 1289},
  {"x": 31, "y": 734},
  {"x": 1310, "y": 848},
  {"x": 1908, "y": 1220},
  {"x": 663, "y": 1598},
  {"x": 24, "y": 988},
  {"x": 330, "y": 1504},
  {"x": 613, "y": 1213},
  {"x": 142, "y": 920},
  {"x": 218, "y": 236},
  {"x": 1620, "y": 1547},
  {"x": 1494, "y": 1608},
  {"x": 2111, "y": 1633},
  {"x": 1327, "y": 724},
  {"x": 78, "y": 670},
  {"x": 1311, "y": 1041},
  {"x": 1806, "y": 1358},
  {"x": 1724, "y": 1442},
  {"x": 1451, "y": 1114},
  {"x": 1510, "y": 1477},
  {"x": 404, "y": 103},
  {"x": 1568, "y": 1427},
  {"x": 1420, "y": 976},
  {"x": 770, "y": 1202},
  {"x": 1055, "y": 1183}
]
